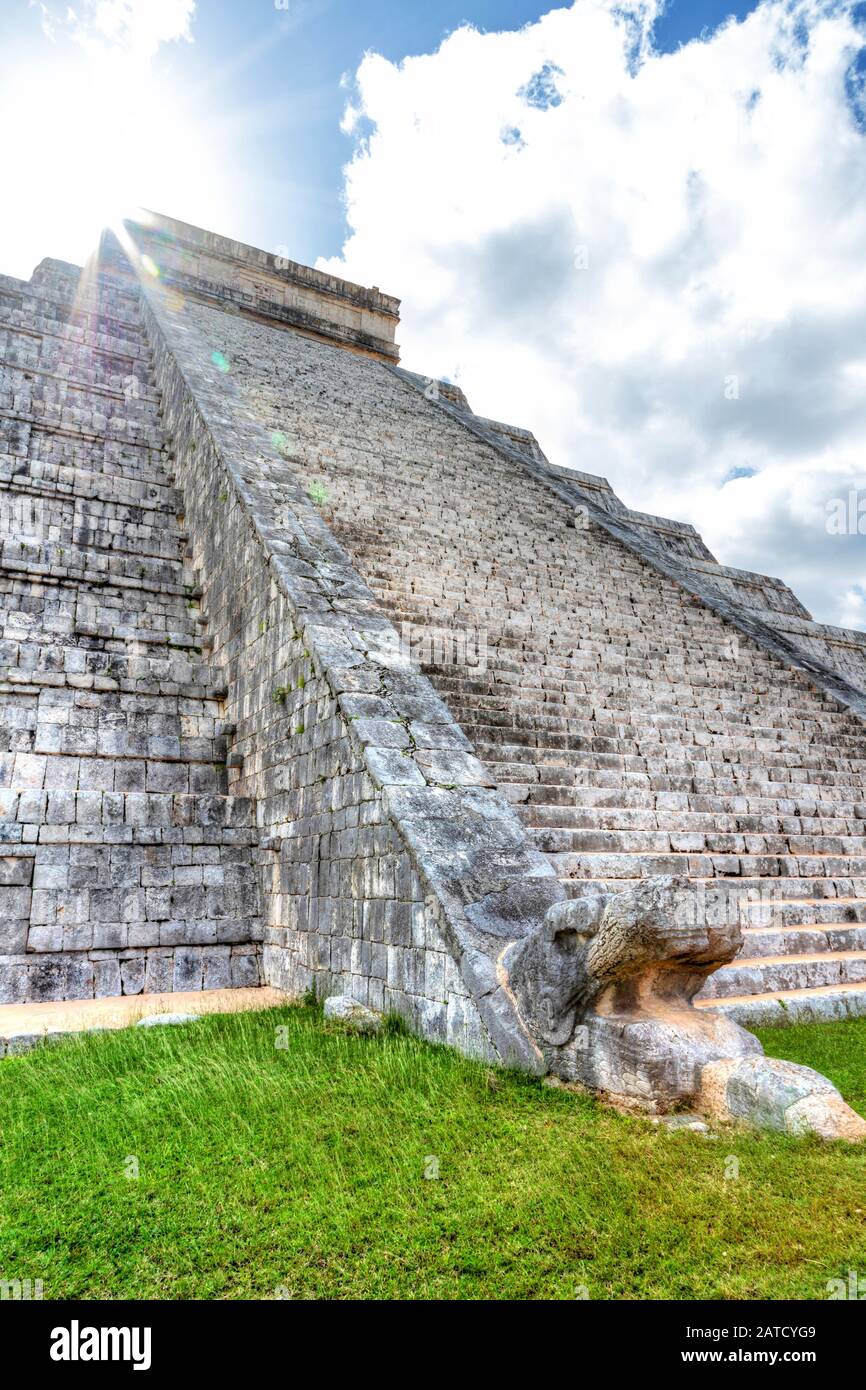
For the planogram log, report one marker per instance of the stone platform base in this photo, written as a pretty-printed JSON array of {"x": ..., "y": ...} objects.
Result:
[{"x": 22, "y": 1025}]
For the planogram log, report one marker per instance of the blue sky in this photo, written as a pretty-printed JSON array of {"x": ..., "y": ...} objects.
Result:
[{"x": 638, "y": 230}]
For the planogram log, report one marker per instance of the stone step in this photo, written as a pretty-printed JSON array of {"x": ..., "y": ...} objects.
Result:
[
  {"x": 189, "y": 638},
  {"x": 636, "y": 659},
  {"x": 90, "y": 566},
  {"x": 822, "y": 1004},
  {"x": 22, "y": 301},
  {"x": 778, "y": 912},
  {"x": 667, "y": 770},
  {"x": 701, "y": 746},
  {"x": 85, "y": 349},
  {"x": 636, "y": 725},
  {"x": 86, "y": 976},
  {"x": 53, "y": 699},
  {"x": 114, "y": 733},
  {"x": 28, "y": 349},
  {"x": 105, "y": 328},
  {"x": 562, "y": 841},
  {"x": 57, "y": 511},
  {"x": 175, "y": 672},
  {"x": 93, "y": 528},
  {"x": 125, "y": 594},
  {"x": 509, "y": 641},
  {"x": 25, "y": 1025},
  {"x": 43, "y": 610},
  {"x": 153, "y": 495},
  {"x": 778, "y": 974},
  {"x": 550, "y": 781},
  {"x": 19, "y": 364},
  {"x": 70, "y": 447},
  {"x": 197, "y": 916},
  {"x": 555, "y": 804},
  {"x": 78, "y": 422},
  {"x": 811, "y": 939},
  {"x": 640, "y": 864},
  {"x": 27, "y": 648},
  {"x": 782, "y": 890},
  {"x": 105, "y": 629},
  {"x": 72, "y": 295},
  {"x": 52, "y": 399},
  {"x": 126, "y": 815},
  {"x": 749, "y": 894},
  {"x": 716, "y": 751},
  {"x": 581, "y": 816},
  {"x": 636, "y": 679},
  {"x": 237, "y": 844},
  {"x": 640, "y": 694}
]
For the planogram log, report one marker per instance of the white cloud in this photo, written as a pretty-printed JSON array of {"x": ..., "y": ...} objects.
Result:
[
  {"x": 134, "y": 27},
  {"x": 94, "y": 125},
  {"x": 656, "y": 261},
  {"x": 854, "y": 608}
]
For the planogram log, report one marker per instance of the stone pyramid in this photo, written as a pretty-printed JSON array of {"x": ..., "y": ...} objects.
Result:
[{"x": 309, "y": 675}]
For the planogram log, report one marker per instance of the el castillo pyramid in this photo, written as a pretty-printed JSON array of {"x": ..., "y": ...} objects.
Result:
[{"x": 312, "y": 677}]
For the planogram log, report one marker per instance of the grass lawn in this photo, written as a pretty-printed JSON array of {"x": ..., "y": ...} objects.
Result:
[{"x": 299, "y": 1172}]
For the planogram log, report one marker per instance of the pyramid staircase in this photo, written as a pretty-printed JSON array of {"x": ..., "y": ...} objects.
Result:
[
  {"x": 633, "y": 729},
  {"x": 125, "y": 862},
  {"x": 621, "y": 766}
]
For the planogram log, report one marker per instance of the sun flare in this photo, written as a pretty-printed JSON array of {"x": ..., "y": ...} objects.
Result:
[{"x": 107, "y": 136}]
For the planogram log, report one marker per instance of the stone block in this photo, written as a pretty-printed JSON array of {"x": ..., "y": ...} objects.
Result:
[
  {"x": 343, "y": 1009},
  {"x": 132, "y": 974},
  {"x": 188, "y": 969},
  {"x": 16, "y": 872}
]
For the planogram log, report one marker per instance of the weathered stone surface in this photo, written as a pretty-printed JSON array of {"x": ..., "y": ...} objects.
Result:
[
  {"x": 356, "y": 895},
  {"x": 607, "y": 983},
  {"x": 340, "y": 1008},
  {"x": 772, "y": 1094},
  {"x": 18, "y": 1043},
  {"x": 166, "y": 1020},
  {"x": 688, "y": 1122},
  {"x": 625, "y": 955}
]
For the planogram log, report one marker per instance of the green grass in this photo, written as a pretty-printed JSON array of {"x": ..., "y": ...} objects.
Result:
[{"x": 299, "y": 1172}]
